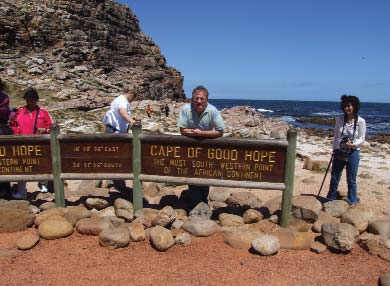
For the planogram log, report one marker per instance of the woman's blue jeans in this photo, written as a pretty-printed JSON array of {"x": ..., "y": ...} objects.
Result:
[{"x": 352, "y": 169}]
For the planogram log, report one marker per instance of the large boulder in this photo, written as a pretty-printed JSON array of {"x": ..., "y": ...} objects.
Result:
[
  {"x": 114, "y": 237},
  {"x": 339, "y": 236},
  {"x": 165, "y": 217},
  {"x": 266, "y": 244},
  {"x": 201, "y": 211},
  {"x": 200, "y": 227},
  {"x": 95, "y": 225},
  {"x": 380, "y": 227},
  {"x": 27, "y": 241},
  {"x": 245, "y": 200},
  {"x": 306, "y": 207},
  {"x": 161, "y": 238},
  {"x": 291, "y": 239},
  {"x": 324, "y": 217},
  {"x": 252, "y": 216},
  {"x": 378, "y": 245},
  {"x": 137, "y": 232},
  {"x": 55, "y": 227},
  {"x": 15, "y": 219},
  {"x": 218, "y": 194},
  {"x": 75, "y": 213},
  {"x": 44, "y": 215},
  {"x": 240, "y": 239},
  {"x": 230, "y": 220},
  {"x": 359, "y": 216},
  {"x": 96, "y": 203},
  {"x": 123, "y": 209},
  {"x": 336, "y": 208}
]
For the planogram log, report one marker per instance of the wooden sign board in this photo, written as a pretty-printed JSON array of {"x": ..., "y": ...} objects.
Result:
[
  {"x": 214, "y": 161},
  {"x": 19, "y": 158},
  {"x": 96, "y": 157}
]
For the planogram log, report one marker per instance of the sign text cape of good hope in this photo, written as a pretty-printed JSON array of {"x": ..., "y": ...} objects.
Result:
[{"x": 223, "y": 159}]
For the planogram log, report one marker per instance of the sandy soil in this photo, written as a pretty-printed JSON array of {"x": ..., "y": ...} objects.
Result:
[{"x": 79, "y": 260}]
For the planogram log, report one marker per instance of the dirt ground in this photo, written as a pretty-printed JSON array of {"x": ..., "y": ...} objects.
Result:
[{"x": 79, "y": 260}]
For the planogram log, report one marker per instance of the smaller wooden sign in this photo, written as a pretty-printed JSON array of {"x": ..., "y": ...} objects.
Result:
[{"x": 96, "y": 157}]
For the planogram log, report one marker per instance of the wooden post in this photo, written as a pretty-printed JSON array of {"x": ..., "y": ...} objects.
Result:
[
  {"x": 137, "y": 185},
  {"x": 289, "y": 178},
  {"x": 56, "y": 163}
]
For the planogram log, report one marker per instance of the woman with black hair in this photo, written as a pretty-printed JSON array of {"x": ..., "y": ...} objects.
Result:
[{"x": 349, "y": 135}]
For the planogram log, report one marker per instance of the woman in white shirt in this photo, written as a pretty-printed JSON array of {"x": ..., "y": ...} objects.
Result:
[{"x": 349, "y": 135}]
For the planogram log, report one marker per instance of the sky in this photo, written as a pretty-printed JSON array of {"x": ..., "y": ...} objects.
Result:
[{"x": 274, "y": 49}]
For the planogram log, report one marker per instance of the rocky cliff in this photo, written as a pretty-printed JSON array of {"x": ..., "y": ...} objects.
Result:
[{"x": 80, "y": 53}]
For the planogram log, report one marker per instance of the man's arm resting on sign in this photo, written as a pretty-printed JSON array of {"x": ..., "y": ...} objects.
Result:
[{"x": 201, "y": 133}]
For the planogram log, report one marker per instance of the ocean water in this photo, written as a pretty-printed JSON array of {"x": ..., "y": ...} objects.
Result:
[{"x": 377, "y": 115}]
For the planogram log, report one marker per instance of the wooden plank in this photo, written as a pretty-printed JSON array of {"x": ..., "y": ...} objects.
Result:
[
  {"x": 213, "y": 182},
  {"x": 96, "y": 176}
]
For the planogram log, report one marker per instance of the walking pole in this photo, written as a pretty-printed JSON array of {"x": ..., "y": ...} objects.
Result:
[{"x": 326, "y": 173}]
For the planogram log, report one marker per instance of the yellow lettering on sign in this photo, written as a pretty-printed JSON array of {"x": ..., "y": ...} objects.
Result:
[
  {"x": 260, "y": 156},
  {"x": 165, "y": 151},
  {"x": 222, "y": 154},
  {"x": 3, "y": 151},
  {"x": 26, "y": 150}
]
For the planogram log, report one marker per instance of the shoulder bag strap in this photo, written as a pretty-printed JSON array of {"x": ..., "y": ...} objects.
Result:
[{"x": 36, "y": 120}]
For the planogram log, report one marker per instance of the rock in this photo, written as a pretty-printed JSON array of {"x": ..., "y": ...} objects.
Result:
[
  {"x": 300, "y": 225},
  {"x": 294, "y": 240},
  {"x": 230, "y": 220},
  {"x": 33, "y": 209},
  {"x": 317, "y": 247},
  {"x": 306, "y": 207},
  {"x": 107, "y": 212},
  {"x": 274, "y": 219},
  {"x": 380, "y": 227},
  {"x": 379, "y": 246},
  {"x": 8, "y": 253},
  {"x": 165, "y": 217},
  {"x": 47, "y": 205},
  {"x": 114, "y": 237},
  {"x": 274, "y": 205},
  {"x": 240, "y": 239},
  {"x": 124, "y": 209},
  {"x": 266, "y": 244},
  {"x": 177, "y": 224},
  {"x": 27, "y": 241},
  {"x": 183, "y": 239},
  {"x": 96, "y": 203},
  {"x": 201, "y": 211},
  {"x": 218, "y": 194},
  {"x": 95, "y": 225},
  {"x": 137, "y": 232},
  {"x": 146, "y": 216},
  {"x": 359, "y": 216},
  {"x": 125, "y": 214},
  {"x": 44, "y": 215},
  {"x": 74, "y": 213},
  {"x": 245, "y": 200},
  {"x": 201, "y": 227},
  {"x": 17, "y": 219},
  {"x": 324, "y": 217},
  {"x": 161, "y": 238},
  {"x": 252, "y": 216},
  {"x": 55, "y": 228},
  {"x": 319, "y": 166},
  {"x": 339, "y": 236},
  {"x": 336, "y": 208},
  {"x": 214, "y": 205},
  {"x": 385, "y": 279}
]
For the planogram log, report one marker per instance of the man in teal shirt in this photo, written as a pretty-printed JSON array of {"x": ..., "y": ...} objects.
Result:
[{"x": 200, "y": 119}]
